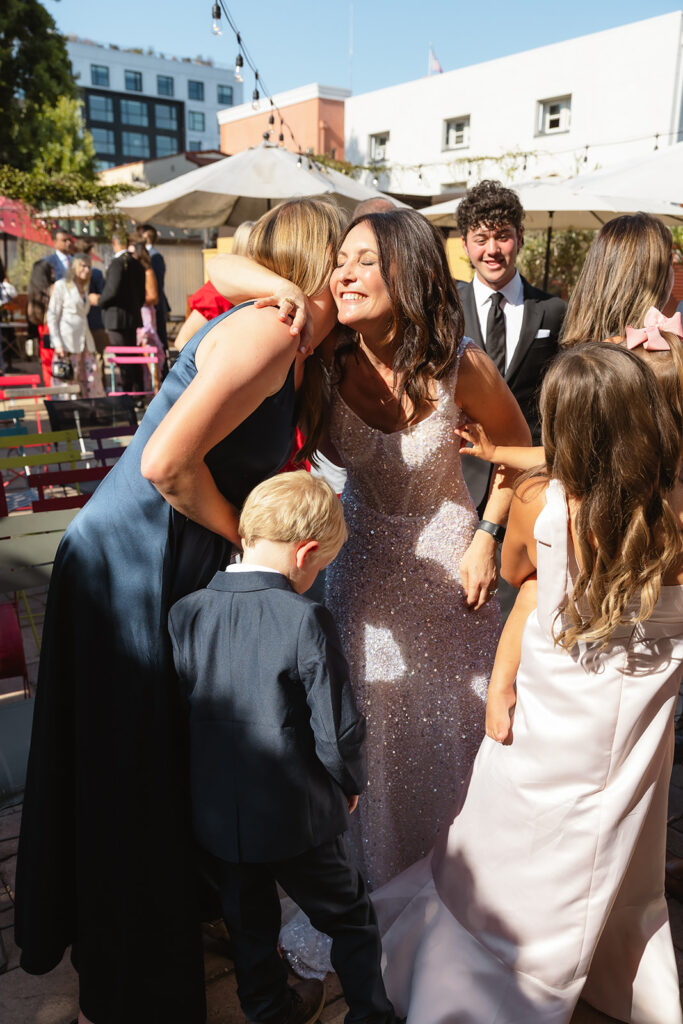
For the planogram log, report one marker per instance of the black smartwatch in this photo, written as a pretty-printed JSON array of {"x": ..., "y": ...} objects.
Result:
[{"x": 495, "y": 529}]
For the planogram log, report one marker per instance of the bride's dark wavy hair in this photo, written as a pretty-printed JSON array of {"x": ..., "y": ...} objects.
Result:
[{"x": 426, "y": 314}]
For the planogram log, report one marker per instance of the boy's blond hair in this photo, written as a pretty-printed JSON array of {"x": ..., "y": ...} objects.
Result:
[{"x": 293, "y": 507}]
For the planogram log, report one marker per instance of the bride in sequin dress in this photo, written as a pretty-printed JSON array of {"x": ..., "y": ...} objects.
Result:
[{"x": 411, "y": 589}]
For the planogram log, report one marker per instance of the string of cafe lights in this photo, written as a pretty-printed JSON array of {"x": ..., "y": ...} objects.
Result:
[{"x": 243, "y": 56}]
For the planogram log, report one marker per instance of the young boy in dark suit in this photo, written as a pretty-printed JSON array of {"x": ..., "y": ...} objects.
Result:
[{"x": 276, "y": 753}]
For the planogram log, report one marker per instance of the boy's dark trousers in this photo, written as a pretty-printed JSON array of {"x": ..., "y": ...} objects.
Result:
[{"x": 329, "y": 889}]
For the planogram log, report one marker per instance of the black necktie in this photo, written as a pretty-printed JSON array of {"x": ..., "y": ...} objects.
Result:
[{"x": 495, "y": 332}]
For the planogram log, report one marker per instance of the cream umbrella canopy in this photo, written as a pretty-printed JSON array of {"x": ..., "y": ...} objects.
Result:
[
  {"x": 242, "y": 187},
  {"x": 563, "y": 205}
]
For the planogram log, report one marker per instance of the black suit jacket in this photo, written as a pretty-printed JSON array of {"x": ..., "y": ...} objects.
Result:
[
  {"x": 275, "y": 736},
  {"x": 159, "y": 268},
  {"x": 524, "y": 375},
  {"x": 123, "y": 294}
]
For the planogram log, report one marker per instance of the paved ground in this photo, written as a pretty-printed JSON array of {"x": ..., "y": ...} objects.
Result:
[{"x": 53, "y": 999}]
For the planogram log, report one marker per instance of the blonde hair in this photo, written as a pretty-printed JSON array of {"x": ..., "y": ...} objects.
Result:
[
  {"x": 299, "y": 240},
  {"x": 626, "y": 271},
  {"x": 240, "y": 240},
  {"x": 293, "y": 507},
  {"x": 611, "y": 440},
  {"x": 78, "y": 257}
]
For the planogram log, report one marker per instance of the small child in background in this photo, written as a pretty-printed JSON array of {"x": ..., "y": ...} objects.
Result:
[{"x": 276, "y": 753}]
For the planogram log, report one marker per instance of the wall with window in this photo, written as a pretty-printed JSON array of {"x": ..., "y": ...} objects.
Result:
[
  {"x": 572, "y": 106},
  {"x": 150, "y": 96},
  {"x": 315, "y": 114}
]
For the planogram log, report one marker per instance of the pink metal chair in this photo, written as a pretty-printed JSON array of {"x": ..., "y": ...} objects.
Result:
[{"x": 130, "y": 355}]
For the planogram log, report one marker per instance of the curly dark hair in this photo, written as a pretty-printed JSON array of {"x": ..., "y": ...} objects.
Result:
[{"x": 491, "y": 204}]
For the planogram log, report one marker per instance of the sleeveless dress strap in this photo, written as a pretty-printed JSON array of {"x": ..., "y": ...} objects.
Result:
[{"x": 551, "y": 531}]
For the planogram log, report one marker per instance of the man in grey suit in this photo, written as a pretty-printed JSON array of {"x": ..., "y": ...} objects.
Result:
[{"x": 516, "y": 324}]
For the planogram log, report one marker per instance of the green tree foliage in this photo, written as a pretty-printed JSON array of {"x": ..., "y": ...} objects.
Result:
[
  {"x": 63, "y": 144},
  {"x": 35, "y": 72},
  {"x": 567, "y": 254}
]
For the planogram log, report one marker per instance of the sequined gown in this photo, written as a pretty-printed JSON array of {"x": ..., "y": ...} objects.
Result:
[{"x": 419, "y": 657}]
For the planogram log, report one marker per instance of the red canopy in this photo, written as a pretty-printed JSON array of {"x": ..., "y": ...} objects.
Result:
[{"x": 16, "y": 219}]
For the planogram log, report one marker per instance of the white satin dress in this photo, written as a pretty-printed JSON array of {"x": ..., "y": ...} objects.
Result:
[{"x": 549, "y": 884}]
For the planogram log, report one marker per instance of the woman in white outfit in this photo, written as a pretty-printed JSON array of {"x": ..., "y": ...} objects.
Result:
[{"x": 67, "y": 322}]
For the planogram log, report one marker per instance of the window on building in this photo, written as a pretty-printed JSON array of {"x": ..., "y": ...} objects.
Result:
[
  {"x": 103, "y": 140},
  {"x": 456, "y": 132},
  {"x": 164, "y": 85},
  {"x": 195, "y": 90},
  {"x": 135, "y": 145},
  {"x": 133, "y": 81},
  {"x": 166, "y": 145},
  {"x": 103, "y": 165},
  {"x": 378, "y": 146},
  {"x": 134, "y": 112},
  {"x": 554, "y": 115},
  {"x": 196, "y": 121},
  {"x": 166, "y": 117},
  {"x": 99, "y": 75},
  {"x": 100, "y": 108},
  {"x": 224, "y": 93},
  {"x": 194, "y": 146}
]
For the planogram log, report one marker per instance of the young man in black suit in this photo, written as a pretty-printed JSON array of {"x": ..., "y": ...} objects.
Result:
[
  {"x": 516, "y": 324},
  {"x": 276, "y": 753},
  {"x": 121, "y": 300}
]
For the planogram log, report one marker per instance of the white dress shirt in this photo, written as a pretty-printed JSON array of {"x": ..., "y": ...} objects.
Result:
[
  {"x": 250, "y": 567},
  {"x": 513, "y": 310}
]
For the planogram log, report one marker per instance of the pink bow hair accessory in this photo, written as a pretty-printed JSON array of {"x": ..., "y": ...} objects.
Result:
[{"x": 649, "y": 336}]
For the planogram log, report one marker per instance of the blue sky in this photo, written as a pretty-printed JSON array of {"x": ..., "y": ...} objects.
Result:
[{"x": 294, "y": 42}]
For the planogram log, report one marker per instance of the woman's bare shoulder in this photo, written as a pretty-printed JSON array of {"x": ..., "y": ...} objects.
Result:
[{"x": 260, "y": 332}]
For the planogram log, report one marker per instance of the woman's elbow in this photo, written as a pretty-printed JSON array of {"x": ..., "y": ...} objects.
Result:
[{"x": 159, "y": 469}]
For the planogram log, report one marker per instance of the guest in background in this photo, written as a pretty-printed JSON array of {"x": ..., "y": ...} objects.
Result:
[
  {"x": 60, "y": 259},
  {"x": 207, "y": 302},
  {"x": 67, "y": 321},
  {"x": 150, "y": 236},
  {"x": 7, "y": 293},
  {"x": 100, "y": 336},
  {"x": 40, "y": 283},
  {"x": 147, "y": 334},
  {"x": 121, "y": 301}
]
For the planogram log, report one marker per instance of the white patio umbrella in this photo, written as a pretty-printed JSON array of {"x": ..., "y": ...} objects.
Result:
[
  {"x": 658, "y": 175},
  {"x": 242, "y": 187},
  {"x": 562, "y": 205}
]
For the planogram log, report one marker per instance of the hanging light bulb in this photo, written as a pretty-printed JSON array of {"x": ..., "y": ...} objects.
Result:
[
  {"x": 375, "y": 182},
  {"x": 255, "y": 97},
  {"x": 271, "y": 119},
  {"x": 281, "y": 139},
  {"x": 216, "y": 15},
  {"x": 299, "y": 161},
  {"x": 239, "y": 64}
]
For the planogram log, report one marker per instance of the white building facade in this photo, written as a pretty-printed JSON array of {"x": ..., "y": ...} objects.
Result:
[
  {"x": 139, "y": 106},
  {"x": 558, "y": 110}
]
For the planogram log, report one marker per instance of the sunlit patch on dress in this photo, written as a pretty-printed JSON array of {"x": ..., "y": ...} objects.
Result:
[{"x": 383, "y": 659}]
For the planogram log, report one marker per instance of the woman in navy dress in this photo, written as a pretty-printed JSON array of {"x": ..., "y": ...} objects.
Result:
[{"x": 105, "y": 857}]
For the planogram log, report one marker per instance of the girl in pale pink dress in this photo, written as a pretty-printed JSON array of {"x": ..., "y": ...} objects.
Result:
[{"x": 549, "y": 884}]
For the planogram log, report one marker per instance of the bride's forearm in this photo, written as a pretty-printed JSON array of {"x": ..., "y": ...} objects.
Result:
[{"x": 238, "y": 278}]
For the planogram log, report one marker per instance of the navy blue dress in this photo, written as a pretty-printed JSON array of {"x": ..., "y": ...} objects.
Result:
[{"x": 105, "y": 856}]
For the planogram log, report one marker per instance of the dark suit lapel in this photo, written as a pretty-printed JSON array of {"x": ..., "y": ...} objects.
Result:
[
  {"x": 531, "y": 321},
  {"x": 472, "y": 328}
]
